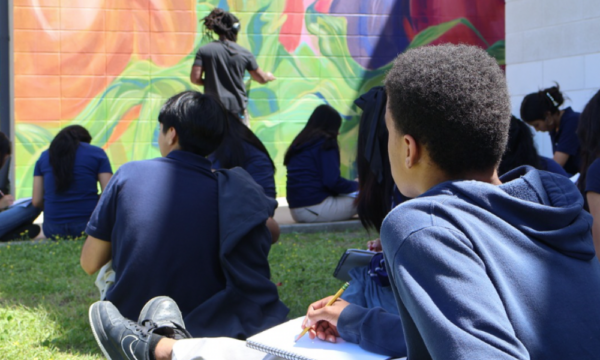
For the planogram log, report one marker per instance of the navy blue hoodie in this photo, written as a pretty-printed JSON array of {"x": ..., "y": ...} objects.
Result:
[
  {"x": 249, "y": 303},
  {"x": 496, "y": 272}
]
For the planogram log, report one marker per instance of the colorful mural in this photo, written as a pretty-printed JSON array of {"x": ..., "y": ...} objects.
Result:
[{"x": 109, "y": 64}]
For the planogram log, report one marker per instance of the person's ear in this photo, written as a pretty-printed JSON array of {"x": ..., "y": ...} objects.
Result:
[
  {"x": 412, "y": 155},
  {"x": 171, "y": 136}
]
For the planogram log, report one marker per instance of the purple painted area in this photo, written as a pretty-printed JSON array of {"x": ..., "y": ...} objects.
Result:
[{"x": 375, "y": 31}]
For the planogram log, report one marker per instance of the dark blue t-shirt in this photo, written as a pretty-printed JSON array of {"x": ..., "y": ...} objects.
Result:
[
  {"x": 565, "y": 140},
  {"x": 548, "y": 164},
  {"x": 161, "y": 218},
  {"x": 313, "y": 174},
  {"x": 592, "y": 177},
  {"x": 258, "y": 165},
  {"x": 77, "y": 203}
]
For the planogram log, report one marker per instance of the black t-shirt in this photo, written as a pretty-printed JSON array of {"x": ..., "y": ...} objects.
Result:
[{"x": 224, "y": 64}]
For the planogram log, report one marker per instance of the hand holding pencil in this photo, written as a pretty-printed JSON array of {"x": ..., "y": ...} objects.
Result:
[{"x": 324, "y": 314}]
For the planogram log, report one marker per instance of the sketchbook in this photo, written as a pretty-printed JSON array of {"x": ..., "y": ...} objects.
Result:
[
  {"x": 350, "y": 259},
  {"x": 279, "y": 340}
]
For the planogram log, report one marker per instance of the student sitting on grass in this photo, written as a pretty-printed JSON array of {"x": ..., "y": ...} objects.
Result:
[
  {"x": 369, "y": 285},
  {"x": 589, "y": 181},
  {"x": 173, "y": 227},
  {"x": 520, "y": 150},
  {"x": 240, "y": 147},
  {"x": 482, "y": 267},
  {"x": 315, "y": 190},
  {"x": 18, "y": 219},
  {"x": 542, "y": 111},
  {"x": 65, "y": 182}
]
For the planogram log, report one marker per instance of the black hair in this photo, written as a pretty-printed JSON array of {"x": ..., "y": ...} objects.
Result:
[
  {"x": 5, "y": 148},
  {"x": 537, "y": 104},
  {"x": 588, "y": 132},
  {"x": 223, "y": 23},
  {"x": 375, "y": 181},
  {"x": 520, "y": 149},
  {"x": 199, "y": 120},
  {"x": 231, "y": 152},
  {"x": 452, "y": 99},
  {"x": 62, "y": 151},
  {"x": 324, "y": 123}
]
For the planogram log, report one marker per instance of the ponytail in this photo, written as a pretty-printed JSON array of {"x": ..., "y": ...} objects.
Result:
[{"x": 63, "y": 149}]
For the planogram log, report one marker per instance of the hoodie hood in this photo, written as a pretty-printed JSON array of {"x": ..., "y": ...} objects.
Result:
[
  {"x": 249, "y": 303},
  {"x": 544, "y": 206},
  {"x": 243, "y": 205}
]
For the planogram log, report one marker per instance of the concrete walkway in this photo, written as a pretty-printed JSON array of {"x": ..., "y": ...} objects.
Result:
[{"x": 288, "y": 225}]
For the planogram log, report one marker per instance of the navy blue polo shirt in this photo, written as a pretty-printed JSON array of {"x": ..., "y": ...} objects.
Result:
[
  {"x": 565, "y": 139},
  {"x": 258, "y": 165},
  {"x": 77, "y": 203},
  {"x": 313, "y": 174},
  {"x": 161, "y": 218},
  {"x": 592, "y": 177}
]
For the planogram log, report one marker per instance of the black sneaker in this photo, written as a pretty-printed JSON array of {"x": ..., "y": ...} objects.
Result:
[
  {"x": 118, "y": 337},
  {"x": 162, "y": 315}
]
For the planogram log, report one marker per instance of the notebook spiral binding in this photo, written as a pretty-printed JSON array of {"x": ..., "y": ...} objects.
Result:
[{"x": 274, "y": 351}]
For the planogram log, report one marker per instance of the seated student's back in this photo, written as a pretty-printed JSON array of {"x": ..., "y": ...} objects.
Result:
[
  {"x": 166, "y": 208},
  {"x": 240, "y": 147},
  {"x": 313, "y": 171},
  {"x": 66, "y": 181},
  {"x": 173, "y": 227}
]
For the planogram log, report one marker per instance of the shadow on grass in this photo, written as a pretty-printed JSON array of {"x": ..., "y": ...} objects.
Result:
[{"x": 47, "y": 280}]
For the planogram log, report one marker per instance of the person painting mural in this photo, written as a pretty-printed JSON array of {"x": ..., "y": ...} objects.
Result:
[{"x": 221, "y": 64}]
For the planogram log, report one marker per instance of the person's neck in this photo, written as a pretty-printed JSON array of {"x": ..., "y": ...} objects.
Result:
[{"x": 437, "y": 176}]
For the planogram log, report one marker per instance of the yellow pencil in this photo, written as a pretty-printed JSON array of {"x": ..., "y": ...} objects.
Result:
[{"x": 333, "y": 299}]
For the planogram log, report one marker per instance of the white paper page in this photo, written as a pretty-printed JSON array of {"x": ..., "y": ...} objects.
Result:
[{"x": 282, "y": 337}]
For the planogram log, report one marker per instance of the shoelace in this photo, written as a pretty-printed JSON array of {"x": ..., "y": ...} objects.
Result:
[
  {"x": 142, "y": 329},
  {"x": 150, "y": 325},
  {"x": 175, "y": 331}
]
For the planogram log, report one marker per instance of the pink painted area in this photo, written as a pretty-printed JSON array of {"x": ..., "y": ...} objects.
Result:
[
  {"x": 292, "y": 27},
  {"x": 323, "y": 6},
  {"x": 294, "y": 32}
]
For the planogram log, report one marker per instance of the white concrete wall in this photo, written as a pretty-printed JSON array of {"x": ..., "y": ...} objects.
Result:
[{"x": 548, "y": 41}]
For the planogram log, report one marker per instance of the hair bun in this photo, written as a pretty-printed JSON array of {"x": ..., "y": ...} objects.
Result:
[{"x": 554, "y": 95}]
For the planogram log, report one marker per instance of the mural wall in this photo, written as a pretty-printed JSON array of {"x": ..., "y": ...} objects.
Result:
[{"x": 109, "y": 64}]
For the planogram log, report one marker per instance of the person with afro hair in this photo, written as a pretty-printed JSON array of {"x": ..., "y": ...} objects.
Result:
[{"x": 481, "y": 266}]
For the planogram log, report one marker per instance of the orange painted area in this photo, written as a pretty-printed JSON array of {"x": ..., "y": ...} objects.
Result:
[
  {"x": 123, "y": 125},
  {"x": 75, "y": 48}
]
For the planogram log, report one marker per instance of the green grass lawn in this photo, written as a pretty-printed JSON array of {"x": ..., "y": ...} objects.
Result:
[{"x": 44, "y": 294}]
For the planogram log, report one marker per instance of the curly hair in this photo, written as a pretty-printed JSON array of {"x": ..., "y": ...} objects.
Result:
[
  {"x": 223, "y": 23},
  {"x": 452, "y": 99}
]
